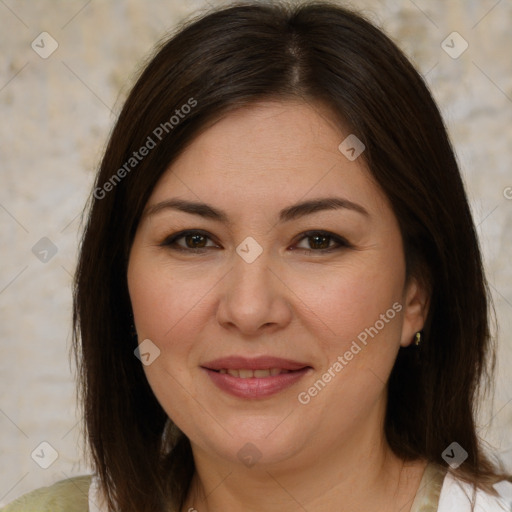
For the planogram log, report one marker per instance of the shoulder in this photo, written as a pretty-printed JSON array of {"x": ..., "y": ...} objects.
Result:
[
  {"x": 459, "y": 495},
  {"x": 71, "y": 495}
]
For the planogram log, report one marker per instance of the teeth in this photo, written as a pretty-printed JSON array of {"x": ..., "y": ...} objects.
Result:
[
  {"x": 248, "y": 374},
  {"x": 262, "y": 373}
]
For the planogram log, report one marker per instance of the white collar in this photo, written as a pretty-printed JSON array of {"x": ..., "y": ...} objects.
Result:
[{"x": 457, "y": 495}]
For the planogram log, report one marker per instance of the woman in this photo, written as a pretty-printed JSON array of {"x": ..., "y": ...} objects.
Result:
[{"x": 279, "y": 302}]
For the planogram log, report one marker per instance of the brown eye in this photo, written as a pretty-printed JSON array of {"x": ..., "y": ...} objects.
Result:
[
  {"x": 195, "y": 241},
  {"x": 321, "y": 242},
  {"x": 191, "y": 241}
]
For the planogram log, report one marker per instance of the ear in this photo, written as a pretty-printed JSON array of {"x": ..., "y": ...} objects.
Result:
[{"x": 416, "y": 303}]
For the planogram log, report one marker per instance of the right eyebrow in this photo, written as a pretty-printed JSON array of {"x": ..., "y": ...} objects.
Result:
[{"x": 195, "y": 208}]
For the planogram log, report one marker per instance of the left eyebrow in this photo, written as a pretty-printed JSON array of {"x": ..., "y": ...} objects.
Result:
[
  {"x": 287, "y": 214},
  {"x": 316, "y": 205}
]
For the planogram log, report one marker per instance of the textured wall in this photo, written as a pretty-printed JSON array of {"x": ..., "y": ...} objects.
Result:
[{"x": 56, "y": 115}]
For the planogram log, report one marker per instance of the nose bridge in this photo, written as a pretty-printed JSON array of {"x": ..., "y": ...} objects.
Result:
[
  {"x": 250, "y": 275},
  {"x": 252, "y": 296}
]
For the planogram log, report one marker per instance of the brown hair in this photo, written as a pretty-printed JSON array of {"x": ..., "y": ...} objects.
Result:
[{"x": 227, "y": 59}]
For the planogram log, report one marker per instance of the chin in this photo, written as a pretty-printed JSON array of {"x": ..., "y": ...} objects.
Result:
[{"x": 255, "y": 441}]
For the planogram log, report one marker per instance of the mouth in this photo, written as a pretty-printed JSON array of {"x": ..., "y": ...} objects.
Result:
[
  {"x": 249, "y": 374},
  {"x": 255, "y": 378}
]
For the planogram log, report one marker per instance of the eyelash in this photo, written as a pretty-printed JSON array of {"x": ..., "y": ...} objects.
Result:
[{"x": 170, "y": 242}]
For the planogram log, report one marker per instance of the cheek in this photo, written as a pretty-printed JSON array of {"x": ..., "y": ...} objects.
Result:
[
  {"x": 166, "y": 310},
  {"x": 170, "y": 308},
  {"x": 162, "y": 297},
  {"x": 360, "y": 312},
  {"x": 353, "y": 298}
]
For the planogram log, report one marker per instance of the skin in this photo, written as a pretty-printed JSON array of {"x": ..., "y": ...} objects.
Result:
[{"x": 206, "y": 302}]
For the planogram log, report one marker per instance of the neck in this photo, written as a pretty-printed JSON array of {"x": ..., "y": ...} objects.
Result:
[{"x": 359, "y": 474}]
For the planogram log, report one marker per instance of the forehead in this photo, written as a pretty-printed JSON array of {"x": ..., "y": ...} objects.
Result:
[
  {"x": 271, "y": 152},
  {"x": 269, "y": 134}
]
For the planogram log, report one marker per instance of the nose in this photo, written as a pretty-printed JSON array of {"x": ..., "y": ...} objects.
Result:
[{"x": 254, "y": 298}]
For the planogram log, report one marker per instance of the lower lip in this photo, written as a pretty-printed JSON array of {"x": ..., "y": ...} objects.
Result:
[{"x": 255, "y": 387}]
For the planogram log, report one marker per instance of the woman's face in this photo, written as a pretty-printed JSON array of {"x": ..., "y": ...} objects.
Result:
[{"x": 268, "y": 274}]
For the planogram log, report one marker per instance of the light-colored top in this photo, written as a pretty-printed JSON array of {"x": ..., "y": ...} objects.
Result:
[
  {"x": 437, "y": 492},
  {"x": 71, "y": 495}
]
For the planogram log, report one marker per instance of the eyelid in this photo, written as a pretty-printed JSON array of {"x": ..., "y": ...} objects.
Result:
[
  {"x": 339, "y": 241},
  {"x": 170, "y": 241}
]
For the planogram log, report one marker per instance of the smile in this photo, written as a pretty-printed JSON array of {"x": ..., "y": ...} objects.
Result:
[
  {"x": 247, "y": 374},
  {"x": 255, "y": 378}
]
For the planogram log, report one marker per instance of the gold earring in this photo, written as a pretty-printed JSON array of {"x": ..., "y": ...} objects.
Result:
[{"x": 417, "y": 338}]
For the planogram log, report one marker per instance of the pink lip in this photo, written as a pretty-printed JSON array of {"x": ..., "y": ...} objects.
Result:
[
  {"x": 254, "y": 387},
  {"x": 255, "y": 363}
]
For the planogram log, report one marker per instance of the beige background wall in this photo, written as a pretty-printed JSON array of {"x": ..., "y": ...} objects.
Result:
[{"x": 55, "y": 116}]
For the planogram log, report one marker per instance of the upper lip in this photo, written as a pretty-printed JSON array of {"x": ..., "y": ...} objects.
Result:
[{"x": 254, "y": 363}]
